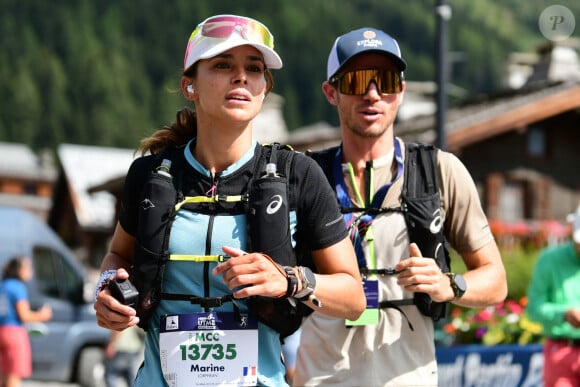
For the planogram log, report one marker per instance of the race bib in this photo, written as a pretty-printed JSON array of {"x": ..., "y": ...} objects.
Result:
[
  {"x": 370, "y": 316},
  {"x": 208, "y": 349}
]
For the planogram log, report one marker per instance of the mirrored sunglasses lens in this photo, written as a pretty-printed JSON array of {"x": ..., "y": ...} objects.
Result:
[
  {"x": 357, "y": 82},
  {"x": 351, "y": 83},
  {"x": 223, "y": 27},
  {"x": 388, "y": 82}
]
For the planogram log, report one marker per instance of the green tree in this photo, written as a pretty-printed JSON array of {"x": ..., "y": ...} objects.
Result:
[{"x": 107, "y": 73}]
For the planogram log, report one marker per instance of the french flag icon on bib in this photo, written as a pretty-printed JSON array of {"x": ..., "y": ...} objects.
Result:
[{"x": 250, "y": 371}]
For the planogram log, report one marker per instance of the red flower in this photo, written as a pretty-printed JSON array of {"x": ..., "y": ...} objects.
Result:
[
  {"x": 483, "y": 315},
  {"x": 514, "y": 307}
]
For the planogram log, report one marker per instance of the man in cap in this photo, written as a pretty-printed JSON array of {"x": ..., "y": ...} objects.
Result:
[
  {"x": 554, "y": 302},
  {"x": 393, "y": 342}
]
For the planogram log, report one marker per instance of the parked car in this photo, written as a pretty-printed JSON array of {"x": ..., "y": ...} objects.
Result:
[{"x": 69, "y": 347}]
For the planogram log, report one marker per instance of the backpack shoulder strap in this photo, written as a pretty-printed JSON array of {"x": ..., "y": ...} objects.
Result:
[
  {"x": 156, "y": 215},
  {"x": 422, "y": 201},
  {"x": 422, "y": 209},
  {"x": 271, "y": 199},
  {"x": 325, "y": 158},
  {"x": 420, "y": 170},
  {"x": 282, "y": 156},
  {"x": 279, "y": 154}
]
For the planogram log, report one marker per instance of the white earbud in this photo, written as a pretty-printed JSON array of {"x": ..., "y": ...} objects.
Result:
[
  {"x": 263, "y": 96},
  {"x": 190, "y": 88}
]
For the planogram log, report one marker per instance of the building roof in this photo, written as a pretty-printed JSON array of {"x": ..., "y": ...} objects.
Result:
[
  {"x": 495, "y": 114},
  {"x": 488, "y": 119},
  {"x": 85, "y": 167},
  {"x": 18, "y": 160}
]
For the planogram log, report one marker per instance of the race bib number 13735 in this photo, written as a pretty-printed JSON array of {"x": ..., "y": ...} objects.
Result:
[{"x": 209, "y": 349}]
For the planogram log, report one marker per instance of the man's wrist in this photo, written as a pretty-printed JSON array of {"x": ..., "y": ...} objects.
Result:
[{"x": 458, "y": 285}]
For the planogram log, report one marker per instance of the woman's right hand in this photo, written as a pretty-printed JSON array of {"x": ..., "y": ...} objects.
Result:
[{"x": 111, "y": 314}]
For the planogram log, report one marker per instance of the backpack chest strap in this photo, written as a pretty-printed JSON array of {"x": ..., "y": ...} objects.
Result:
[
  {"x": 209, "y": 200},
  {"x": 199, "y": 258},
  {"x": 204, "y": 302}
]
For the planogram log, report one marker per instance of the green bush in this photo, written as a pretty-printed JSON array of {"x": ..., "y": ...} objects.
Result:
[
  {"x": 506, "y": 323},
  {"x": 519, "y": 265}
]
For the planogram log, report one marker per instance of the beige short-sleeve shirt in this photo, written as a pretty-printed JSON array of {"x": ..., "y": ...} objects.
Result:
[{"x": 390, "y": 353}]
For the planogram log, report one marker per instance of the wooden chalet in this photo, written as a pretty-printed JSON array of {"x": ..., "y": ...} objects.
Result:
[
  {"x": 520, "y": 145},
  {"x": 26, "y": 179}
]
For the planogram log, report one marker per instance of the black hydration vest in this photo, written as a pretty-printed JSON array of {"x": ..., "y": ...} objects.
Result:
[
  {"x": 162, "y": 198},
  {"x": 421, "y": 206}
]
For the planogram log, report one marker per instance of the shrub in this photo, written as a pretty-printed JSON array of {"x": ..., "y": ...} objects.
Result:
[
  {"x": 520, "y": 244},
  {"x": 519, "y": 265},
  {"x": 503, "y": 324},
  {"x": 506, "y": 323}
]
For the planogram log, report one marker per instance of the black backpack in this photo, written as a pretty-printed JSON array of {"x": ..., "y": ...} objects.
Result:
[
  {"x": 151, "y": 247},
  {"x": 421, "y": 206}
]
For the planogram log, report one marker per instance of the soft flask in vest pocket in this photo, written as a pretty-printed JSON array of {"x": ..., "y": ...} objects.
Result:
[
  {"x": 154, "y": 220},
  {"x": 269, "y": 229},
  {"x": 269, "y": 226}
]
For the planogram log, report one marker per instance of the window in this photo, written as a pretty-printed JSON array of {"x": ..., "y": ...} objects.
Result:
[
  {"x": 55, "y": 277},
  {"x": 537, "y": 142},
  {"x": 511, "y": 202}
]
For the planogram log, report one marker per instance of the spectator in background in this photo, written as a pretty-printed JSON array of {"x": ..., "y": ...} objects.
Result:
[
  {"x": 554, "y": 302},
  {"x": 15, "y": 355},
  {"x": 121, "y": 355}
]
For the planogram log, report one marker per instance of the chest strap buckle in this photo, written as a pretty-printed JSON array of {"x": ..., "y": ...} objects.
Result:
[{"x": 204, "y": 302}]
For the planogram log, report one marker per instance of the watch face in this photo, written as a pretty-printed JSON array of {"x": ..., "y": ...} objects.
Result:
[
  {"x": 460, "y": 283},
  {"x": 308, "y": 283},
  {"x": 309, "y": 276}
]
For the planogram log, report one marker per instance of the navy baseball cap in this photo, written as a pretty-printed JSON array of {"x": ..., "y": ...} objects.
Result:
[{"x": 359, "y": 41}]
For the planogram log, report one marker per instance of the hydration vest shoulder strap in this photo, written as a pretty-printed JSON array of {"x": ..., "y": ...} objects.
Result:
[
  {"x": 420, "y": 171},
  {"x": 155, "y": 218},
  {"x": 325, "y": 158},
  {"x": 422, "y": 208},
  {"x": 270, "y": 202}
]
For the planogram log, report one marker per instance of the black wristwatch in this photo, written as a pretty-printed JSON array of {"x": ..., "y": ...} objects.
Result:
[
  {"x": 308, "y": 280},
  {"x": 457, "y": 284}
]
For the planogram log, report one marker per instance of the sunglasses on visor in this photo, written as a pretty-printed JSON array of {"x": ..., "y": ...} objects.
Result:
[
  {"x": 224, "y": 26},
  {"x": 357, "y": 82}
]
